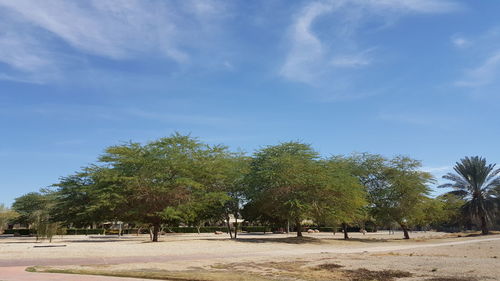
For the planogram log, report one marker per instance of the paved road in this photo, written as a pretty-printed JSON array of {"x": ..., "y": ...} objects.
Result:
[{"x": 14, "y": 270}]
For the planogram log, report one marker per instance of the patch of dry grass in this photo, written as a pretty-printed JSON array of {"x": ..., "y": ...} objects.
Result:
[
  {"x": 329, "y": 266},
  {"x": 251, "y": 271},
  {"x": 159, "y": 274},
  {"x": 363, "y": 274},
  {"x": 451, "y": 279}
]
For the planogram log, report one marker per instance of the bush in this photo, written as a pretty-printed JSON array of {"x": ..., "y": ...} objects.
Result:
[
  {"x": 22, "y": 232},
  {"x": 349, "y": 229},
  {"x": 84, "y": 231},
  {"x": 256, "y": 228},
  {"x": 328, "y": 229},
  {"x": 189, "y": 229}
]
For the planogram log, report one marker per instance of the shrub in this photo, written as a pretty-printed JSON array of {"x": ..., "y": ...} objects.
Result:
[
  {"x": 22, "y": 232},
  {"x": 256, "y": 228},
  {"x": 189, "y": 229}
]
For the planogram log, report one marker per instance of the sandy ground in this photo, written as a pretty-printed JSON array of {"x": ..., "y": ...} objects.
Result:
[
  {"x": 181, "y": 244},
  {"x": 426, "y": 256}
]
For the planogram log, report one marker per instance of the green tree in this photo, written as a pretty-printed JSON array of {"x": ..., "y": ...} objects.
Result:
[
  {"x": 231, "y": 185},
  {"x": 402, "y": 197},
  {"x": 283, "y": 180},
  {"x": 89, "y": 197},
  {"x": 6, "y": 216},
  {"x": 476, "y": 181},
  {"x": 430, "y": 213},
  {"x": 159, "y": 176},
  {"x": 453, "y": 211},
  {"x": 35, "y": 210},
  {"x": 28, "y": 206},
  {"x": 72, "y": 200},
  {"x": 199, "y": 209},
  {"x": 341, "y": 200},
  {"x": 396, "y": 188}
]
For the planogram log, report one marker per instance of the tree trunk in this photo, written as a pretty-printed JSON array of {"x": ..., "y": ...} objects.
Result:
[
  {"x": 228, "y": 223},
  {"x": 287, "y": 226},
  {"x": 344, "y": 229},
  {"x": 299, "y": 227},
  {"x": 405, "y": 231},
  {"x": 236, "y": 227},
  {"x": 484, "y": 225},
  {"x": 156, "y": 230}
]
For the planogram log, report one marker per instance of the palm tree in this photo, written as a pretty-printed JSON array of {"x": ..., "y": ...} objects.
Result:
[{"x": 475, "y": 181}]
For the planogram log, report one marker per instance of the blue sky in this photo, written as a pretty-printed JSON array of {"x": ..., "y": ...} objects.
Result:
[{"x": 413, "y": 77}]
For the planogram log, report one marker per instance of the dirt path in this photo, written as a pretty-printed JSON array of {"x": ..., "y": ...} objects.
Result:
[
  {"x": 14, "y": 270},
  {"x": 403, "y": 247}
]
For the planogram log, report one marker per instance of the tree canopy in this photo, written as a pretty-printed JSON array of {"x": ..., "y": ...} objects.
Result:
[
  {"x": 179, "y": 180},
  {"x": 477, "y": 182}
]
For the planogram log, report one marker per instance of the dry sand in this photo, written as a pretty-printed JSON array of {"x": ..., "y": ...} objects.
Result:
[
  {"x": 278, "y": 257},
  {"x": 184, "y": 244}
]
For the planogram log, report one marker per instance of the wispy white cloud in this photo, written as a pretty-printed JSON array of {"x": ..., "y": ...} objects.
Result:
[
  {"x": 460, "y": 42},
  {"x": 22, "y": 52},
  {"x": 113, "y": 29},
  {"x": 75, "y": 112},
  {"x": 350, "y": 61},
  {"x": 418, "y": 6},
  {"x": 227, "y": 65},
  {"x": 311, "y": 56},
  {"x": 306, "y": 49},
  {"x": 486, "y": 73},
  {"x": 32, "y": 79},
  {"x": 438, "y": 170},
  {"x": 485, "y": 51},
  {"x": 355, "y": 60}
]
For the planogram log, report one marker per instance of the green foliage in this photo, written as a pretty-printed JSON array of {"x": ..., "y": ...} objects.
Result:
[
  {"x": 290, "y": 182},
  {"x": 161, "y": 181},
  {"x": 47, "y": 230},
  {"x": 6, "y": 216},
  {"x": 256, "y": 229},
  {"x": 283, "y": 180},
  {"x": 397, "y": 188},
  {"x": 477, "y": 183},
  {"x": 22, "y": 232},
  {"x": 341, "y": 198},
  {"x": 203, "y": 229},
  {"x": 429, "y": 213},
  {"x": 86, "y": 197},
  {"x": 179, "y": 180},
  {"x": 28, "y": 205}
]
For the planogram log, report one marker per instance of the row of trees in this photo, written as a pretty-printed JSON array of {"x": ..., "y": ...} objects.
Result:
[{"x": 180, "y": 180}]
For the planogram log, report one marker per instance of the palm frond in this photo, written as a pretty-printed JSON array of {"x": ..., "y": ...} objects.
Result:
[{"x": 477, "y": 182}]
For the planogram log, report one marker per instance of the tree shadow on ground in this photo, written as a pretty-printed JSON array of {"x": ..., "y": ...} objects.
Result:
[
  {"x": 363, "y": 240},
  {"x": 286, "y": 240},
  {"x": 96, "y": 241},
  {"x": 312, "y": 240}
]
